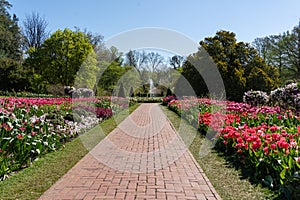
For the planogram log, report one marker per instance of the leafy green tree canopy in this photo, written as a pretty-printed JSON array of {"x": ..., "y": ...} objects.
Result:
[
  {"x": 121, "y": 92},
  {"x": 12, "y": 74},
  {"x": 239, "y": 64},
  {"x": 62, "y": 55},
  {"x": 10, "y": 36},
  {"x": 87, "y": 74},
  {"x": 283, "y": 52}
]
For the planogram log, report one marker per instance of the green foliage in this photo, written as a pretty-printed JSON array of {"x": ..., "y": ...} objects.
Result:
[
  {"x": 37, "y": 83},
  {"x": 25, "y": 94},
  {"x": 169, "y": 92},
  {"x": 10, "y": 36},
  {"x": 121, "y": 92},
  {"x": 282, "y": 51},
  {"x": 61, "y": 56},
  {"x": 87, "y": 74},
  {"x": 130, "y": 79},
  {"x": 195, "y": 81},
  {"x": 131, "y": 92},
  {"x": 13, "y": 77},
  {"x": 134, "y": 100},
  {"x": 110, "y": 77},
  {"x": 240, "y": 65},
  {"x": 200, "y": 77}
]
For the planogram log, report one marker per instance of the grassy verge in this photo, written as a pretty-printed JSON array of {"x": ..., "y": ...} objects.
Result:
[
  {"x": 228, "y": 182},
  {"x": 32, "y": 182}
]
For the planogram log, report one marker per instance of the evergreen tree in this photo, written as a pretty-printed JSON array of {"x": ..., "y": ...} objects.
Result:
[
  {"x": 121, "y": 92},
  {"x": 13, "y": 76},
  {"x": 10, "y": 36},
  {"x": 169, "y": 92},
  {"x": 131, "y": 92},
  {"x": 283, "y": 52},
  {"x": 239, "y": 64}
]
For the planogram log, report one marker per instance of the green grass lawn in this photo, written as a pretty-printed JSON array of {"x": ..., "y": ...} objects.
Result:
[
  {"x": 32, "y": 182},
  {"x": 228, "y": 182}
]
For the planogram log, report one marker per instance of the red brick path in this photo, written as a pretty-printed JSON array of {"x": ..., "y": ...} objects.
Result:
[{"x": 143, "y": 158}]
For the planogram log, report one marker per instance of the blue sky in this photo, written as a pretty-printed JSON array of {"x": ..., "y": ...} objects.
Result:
[{"x": 196, "y": 19}]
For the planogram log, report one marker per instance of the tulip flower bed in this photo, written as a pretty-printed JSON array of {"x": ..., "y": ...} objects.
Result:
[
  {"x": 31, "y": 127},
  {"x": 265, "y": 140}
]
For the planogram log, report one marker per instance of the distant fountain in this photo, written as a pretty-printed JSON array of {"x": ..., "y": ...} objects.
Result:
[{"x": 151, "y": 87}]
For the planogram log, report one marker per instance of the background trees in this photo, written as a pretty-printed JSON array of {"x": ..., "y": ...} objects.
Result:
[
  {"x": 283, "y": 52},
  {"x": 80, "y": 58},
  {"x": 10, "y": 36},
  {"x": 110, "y": 77},
  {"x": 293, "y": 51},
  {"x": 61, "y": 56},
  {"x": 12, "y": 75},
  {"x": 137, "y": 60},
  {"x": 239, "y": 64},
  {"x": 86, "y": 76},
  {"x": 176, "y": 61},
  {"x": 154, "y": 61},
  {"x": 34, "y": 31}
]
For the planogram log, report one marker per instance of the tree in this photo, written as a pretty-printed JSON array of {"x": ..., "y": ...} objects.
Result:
[
  {"x": 87, "y": 74},
  {"x": 110, "y": 77},
  {"x": 34, "y": 31},
  {"x": 176, "y": 61},
  {"x": 154, "y": 61},
  {"x": 277, "y": 52},
  {"x": 137, "y": 60},
  {"x": 34, "y": 34},
  {"x": 282, "y": 51},
  {"x": 61, "y": 56},
  {"x": 10, "y": 36},
  {"x": 272, "y": 50},
  {"x": 191, "y": 82},
  {"x": 263, "y": 46},
  {"x": 130, "y": 79},
  {"x": 95, "y": 39},
  {"x": 239, "y": 65},
  {"x": 167, "y": 76},
  {"x": 104, "y": 54},
  {"x": 169, "y": 92},
  {"x": 131, "y": 92},
  {"x": 121, "y": 92},
  {"x": 13, "y": 77},
  {"x": 114, "y": 54},
  {"x": 293, "y": 51}
]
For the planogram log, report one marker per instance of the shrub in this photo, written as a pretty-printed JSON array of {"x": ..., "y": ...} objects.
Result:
[
  {"x": 103, "y": 113},
  {"x": 131, "y": 92},
  {"x": 74, "y": 117},
  {"x": 121, "y": 92},
  {"x": 169, "y": 92},
  {"x": 256, "y": 98},
  {"x": 167, "y": 99},
  {"x": 56, "y": 90},
  {"x": 286, "y": 97},
  {"x": 83, "y": 93}
]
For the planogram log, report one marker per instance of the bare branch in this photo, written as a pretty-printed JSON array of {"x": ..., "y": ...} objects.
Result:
[{"x": 34, "y": 31}]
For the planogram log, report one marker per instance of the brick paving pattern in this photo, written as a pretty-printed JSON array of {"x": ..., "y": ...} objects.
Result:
[{"x": 143, "y": 158}]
